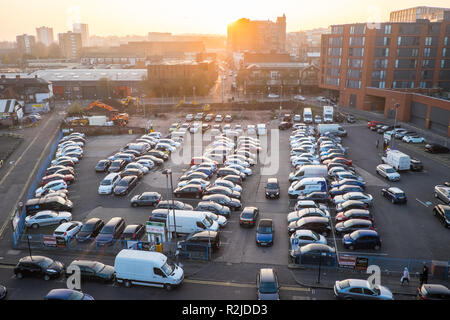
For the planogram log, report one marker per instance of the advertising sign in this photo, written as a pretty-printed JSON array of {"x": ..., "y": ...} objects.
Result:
[
  {"x": 346, "y": 261},
  {"x": 361, "y": 263},
  {"x": 49, "y": 241}
]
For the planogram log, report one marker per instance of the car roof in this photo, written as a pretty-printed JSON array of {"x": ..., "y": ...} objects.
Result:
[
  {"x": 364, "y": 232},
  {"x": 33, "y": 259},
  {"x": 206, "y": 234},
  {"x": 131, "y": 228},
  {"x": 358, "y": 283},
  {"x": 267, "y": 275},
  {"x": 395, "y": 190},
  {"x": 265, "y": 222},
  {"x": 272, "y": 180},
  {"x": 436, "y": 289}
]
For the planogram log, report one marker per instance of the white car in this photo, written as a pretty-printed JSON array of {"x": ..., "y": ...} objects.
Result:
[
  {"x": 251, "y": 129},
  {"x": 297, "y": 118},
  {"x": 65, "y": 144},
  {"x": 165, "y": 146},
  {"x": 228, "y": 184},
  {"x": 196, "y": 126},
  {"x": 413, "y": 139},
  {"x": 302, "y": 162},
  {"x": 47, "y": 218},
  {"x": 303, "y": 237},
  {"x": 242, "y": 163},
  {"x": 318, "y": 119},
  {"x": 149, "y": 164},
  {"x": 197, "y": 181},
  {"x": 170, "y": 142},
  {"x": 155, "y": 134},
  {"x": 223, "y": 142},
  {"x": 61, "y": 153},
  {"x": 442, "y": 192},
  {"x": 359, "y": 196},
  {"x": 52, "y": 185},
  {"x": 136, "y": 165},
  {"x": 56, "y": 161},
  {"x": 250, "y": 161},
  {"x": 238, "y": 128},
  {"x": 242, "y": 169},
  {"x": 68, "y": 230},
  {"x": 388, "y": 172},
  {"x": 189, "y": 117},
  {"x": 299, "y": 98},
  {"x": 221, "y": 220},
  {"x": 108, "y": 183},
  {"x": 273, "y": 96}
]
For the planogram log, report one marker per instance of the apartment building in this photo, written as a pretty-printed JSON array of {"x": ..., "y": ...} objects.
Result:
[
  {"x": 70, "y": 44},
  {"x": 45, "y": 35},
  {"x": 25, "y": 43},
  {"x": 432, "y": 14}
]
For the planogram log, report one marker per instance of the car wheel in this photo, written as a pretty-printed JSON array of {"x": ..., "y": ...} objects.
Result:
[
  {"x": 393, "y": 201},
  {"x": 35, "y": 226},
  {"x": 377, "y": 247},
  {"x": 127, "y": 283},
  {"x": 351, "y": 247},
  {"x": 46, "y": 277},
  {"x": 19, "y": 275},
  {"x": 134, "y": 204}
]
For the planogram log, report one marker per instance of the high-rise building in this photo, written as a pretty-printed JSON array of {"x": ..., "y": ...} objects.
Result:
[
  {"x": 25, "y": 43},
  {"x": 257, "y": 36},
  {"x": 433, "y": 14},
  {"x": 45, "y": 35},
  {"x": 70, "y": 44},
  {"x": 83, "y": 29},
  {"x": 376, "y": 67}
]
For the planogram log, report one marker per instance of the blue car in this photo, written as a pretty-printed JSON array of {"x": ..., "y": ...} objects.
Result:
[
  {"x": 362, "y": 239},
  {"x": 264, "y": 233},
  {"x": 394, "y": 194},
  {"x": 349, "y": 182},
  {"x": 67, "y": 294}
]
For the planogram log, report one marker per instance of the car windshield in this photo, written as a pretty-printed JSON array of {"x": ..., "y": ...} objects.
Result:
[
  {"x": 168, "y": 268},
  {"x": 265, "y": 229},
  {"x": 87, "y": 227},
  {"x": 268, "y": 287},
  {"x": 247, "y": 215},
  {"x": 75, "y": 295},
  {"x": 272, "y": 186},
  {"x": 107, "y": 230},
  {"x": 390, "y": 170},
  {"x": 106, "y": 182},
  {"x": 207, "y": 222},
  {"x": 45, "y": 263},
  {"x": 98, "y": 266},
  {"x": 123, "y": 183},
  {"x": 344, "y": 284}
]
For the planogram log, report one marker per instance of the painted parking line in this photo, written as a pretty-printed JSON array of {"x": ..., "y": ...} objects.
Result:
[
  {"x": 425, "y": 204},
  {"x": 365, "y": 253},
  {"x": 240, "y": 285}
]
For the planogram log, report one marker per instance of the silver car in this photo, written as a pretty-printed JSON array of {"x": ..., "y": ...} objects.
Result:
[
  {"x": 443, "y": 193},
  {"x": 47, "y": 218},
  {"x": 356, "y": 289},
  {"x": 360, "y": 196}
]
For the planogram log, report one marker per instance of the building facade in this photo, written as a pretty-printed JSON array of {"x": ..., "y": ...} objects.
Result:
[
  {"x": 257, "y": 35},
  {"x": 413, "y": 58},
  {"x": 70, "y": 44},
  {"x": 45, "y": 35},
  {"x": 432, "y": 14},
  {"x": 82, "y": 29},
  {"x": 25, "y": 43}
]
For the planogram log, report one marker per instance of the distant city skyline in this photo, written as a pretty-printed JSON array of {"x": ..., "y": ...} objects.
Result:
[{"x": 138, "y": 17}]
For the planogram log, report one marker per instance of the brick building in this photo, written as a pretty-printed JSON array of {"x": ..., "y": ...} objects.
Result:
[{"x": 373, "y": 67}]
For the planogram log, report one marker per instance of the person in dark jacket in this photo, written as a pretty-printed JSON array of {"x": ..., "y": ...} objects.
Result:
[{"x": 424, "y": 275}]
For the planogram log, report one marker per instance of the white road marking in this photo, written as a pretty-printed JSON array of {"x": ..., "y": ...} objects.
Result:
[
  {"x": 422, "y": 203},
  {"x": 365, "y": 253}
]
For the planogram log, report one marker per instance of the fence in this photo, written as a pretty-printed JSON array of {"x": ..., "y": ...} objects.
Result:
[{"x": 40, "y": 173}]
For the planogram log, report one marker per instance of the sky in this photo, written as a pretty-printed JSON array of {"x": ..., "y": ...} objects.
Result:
[{"x": 119, "y": 17}]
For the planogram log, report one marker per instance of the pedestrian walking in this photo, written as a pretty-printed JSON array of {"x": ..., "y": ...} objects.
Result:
[
  {"x": 405, "y": 276},
  {"x": 424, "y": 276}
]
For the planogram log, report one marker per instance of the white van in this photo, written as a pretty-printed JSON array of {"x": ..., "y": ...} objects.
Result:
[
  {"x": 309, "y": 171},
  {"x": 398, "y": 160},
  {"x": 146, "y": 268},
  {"x": 261, "y": 129},
  {"x": 307, "y": 115},
  {"x": 306, "y": 186},
  {"x": 108, "y": 183},
  {"x": 189, "y": 221}
]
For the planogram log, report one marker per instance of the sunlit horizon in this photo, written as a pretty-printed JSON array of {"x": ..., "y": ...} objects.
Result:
[{"x": 138, "y": 17}]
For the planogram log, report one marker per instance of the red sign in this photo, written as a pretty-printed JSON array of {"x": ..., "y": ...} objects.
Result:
[
  {"x": 49, "y": 241},
  {"x": 346, "y": 261}
]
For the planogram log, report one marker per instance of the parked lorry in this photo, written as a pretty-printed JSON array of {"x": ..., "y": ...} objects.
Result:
[
  {"x": 328, "y": 114},
  {"x": 396, "y": 159},
  {"x": 307, "y": 115}
]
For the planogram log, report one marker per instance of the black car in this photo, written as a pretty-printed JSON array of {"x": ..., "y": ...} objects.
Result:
[
  {"x": 198, "y": 241},
  {"x": 394, "y": 194},
  {"x": 223, "y": 190},
  {"x": 194, "y": 175},
  {"x": 213, "y": 207},
  {"x": 317, "y": 224},
  {"x": 316, "y": 196},
  {"x": 272, "y": 188},
  {"x": 285, "y": 125},
  {"x": 146, "y": 199},
  {"x": 315, "y": 254},
  {"x": 159, "y": 215},
  {"x": 93, "y": 270},
  {"x": 362, "y": 239},
  {"x": 38, "y": 266},
  {"x": 416, "y": 165},
  {"x": 188, "y": 191},
  {"x": 158, "y": 154},
  {"x": 249, "y": 216},
  {"x": 174, "y": 204},
  {"x": 443, "y": 213},
  {"x": 117, "y": 165},
  {"x": 90, "y": 229},
  {"x": 125, "y": 185},
  {"x": 49, "y": 202},
  {"x": 111, "y": 231},
  {"x": 436, "y": 148},
  {"x": 233, "y": 178},
  {"x": 133, "y": 232},
  {"x": 231, "y": 203},
  {"x": 131, "y": 172},
  {"x": 352, "y": 225},
  {"x": 3, "y": 292},
  {"x": 351, "y": 118},
  {"x": 433, "y": 292}
]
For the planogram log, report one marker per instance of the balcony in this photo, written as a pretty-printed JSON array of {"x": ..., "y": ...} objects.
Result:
[{"x": 273, "y": 82}]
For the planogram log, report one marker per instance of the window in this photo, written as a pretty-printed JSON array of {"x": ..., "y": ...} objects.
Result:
[
  {"x": 380, "y": 63},
  {"x": 428, "y": 41},
  {"x": 446, "y": 41},
  {"x": 158, "y": 272},
  {"x": 387, "y": 29},
  {"x": 428, "y": 63},
  {"x": 356, "y": 290}
]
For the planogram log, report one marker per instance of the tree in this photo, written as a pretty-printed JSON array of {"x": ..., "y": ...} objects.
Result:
[
  {"x": 54, "y": 51},
  {"x": 40, "y": 50},
  {"x": 75, "y": 109}
]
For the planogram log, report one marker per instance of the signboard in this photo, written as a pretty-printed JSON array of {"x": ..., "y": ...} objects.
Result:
[
  {"x": 49, "y": 241},
  {"x": 38, "y": 105},
  {"x": 361, "y": 263},
  {"x": 346, "y": 261},
  {"x": 157, "y": 228},
  {"x": 61, "y": 242}
]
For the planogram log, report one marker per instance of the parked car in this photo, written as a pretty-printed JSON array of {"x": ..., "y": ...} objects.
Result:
[
  {"x": 47, "y": 218},
  {"x": 125, "y": 185},
  {"x": 219, "y": 118},
  {"x": 90, "y": 229},
  {"x": 194, "y": 175},
  {"x": 388, "y": 172},
  {"x": 351, "y": 225},
  {"x": 111, "y": 231},
  {"x": 249, "y": 216},
  {"x": 357, "y": 289},
  {"x": 158, "y": 154},
  {"x": 232, "y": 203},
  {"x": 265, "y": 232},
  {"x": 314, "y": 254},
  {"x": 303, "y": 237},
  {"x": 173, "y": 204},
  {"x": 189, "y": 191},
  {"x": 233, "y": 178},
  {"x": 267, "y": 286},
  {"x": 272, "y": 188},
  {"x": 211, "y": 206},
  {"x": 133, "y": 232},
  {"x": 436, "y": 148},
  {"x": 318, "y": 224},
  {"x": 108, "y": 183},
  {"x": 307, "y": 212},
  {"x": 442, "y": 212},
  {"x": 396, "y": 195},
  {"x": 442, "y": 192},
  {"x": 223, "y": 190},
  {"x": 146, "y": 199},
  {"x": 430, "y": 291},
  {"x": 354, "y": 214},
  {"x": 316, "y": 196},
  {"x": 416, "y": 165},
  {"x": 147, "y": 157},
  {"x": 345, "y": 189},
  {"x": 39, "y": 266},
  {"x": 56, "y": 169},
  {"x": 228, "y": 118},
  {"x": 3, "y": 292},
  {"x": 52, "y": 185},
  {"x": 362, "y": 239},
  {"x": 68, "y": 178},
  {"x": 138, "y": 166},
  {"x": 48, "y": 202},
  {"x": 360, "y": 196},
  {"x": 117, "y": 165},
  {"x": 413, "y": 139},
  {"x": 67, "y": 230},
  {"x": 350, "y": 204},
  {"x": 93, "y": 270},
  {"x": 199, "y": 240}
]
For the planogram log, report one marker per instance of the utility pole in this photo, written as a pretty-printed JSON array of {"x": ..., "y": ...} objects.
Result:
[{"x": 396, "y": 106}]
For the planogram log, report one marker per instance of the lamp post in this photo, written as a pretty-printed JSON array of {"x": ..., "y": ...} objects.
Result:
[
  {"x": 320, "y": 265},
  {"x": 168, "y": 173},
  {"x": 29, "y": 247},
  {"x": 396, "y": 106}
]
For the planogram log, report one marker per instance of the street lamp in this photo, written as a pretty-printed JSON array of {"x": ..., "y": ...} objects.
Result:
[
  {"x": 29, "y": 247},
  {"x": 168, "y": 173},
  {"x": 396, "y": 106},
  {"x": 322, "y": 254}
]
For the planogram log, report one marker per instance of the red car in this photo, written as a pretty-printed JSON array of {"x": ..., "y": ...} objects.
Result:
[
  {"x": 68, "y": 178},
  {"x": 345, "y": 161},
  {"x": 354, "y": 214},
  {"x": 371, "y": 124},
  {"x": 199, "y": 160}
]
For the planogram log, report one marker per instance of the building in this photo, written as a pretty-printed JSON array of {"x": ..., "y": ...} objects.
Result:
[
  {"x": 45, "y": 35},
  {"x": 159, "y": 36},
  {"x": 257, "y": 36},
  {"x": 11, "y": 111},
  {"x": 105, "y": 57},
  {"x": 374, "y": 68},
  {"x": 305, "y": 45},
  {"x": 25, "y": 44},
  {"x": 70, "y": 44},
  {"x": 432, "y": 14},
  {"x": 83, "y": 29},
  {"x": 35, "y": 94},
  {"x": 163, "y": 49}
]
